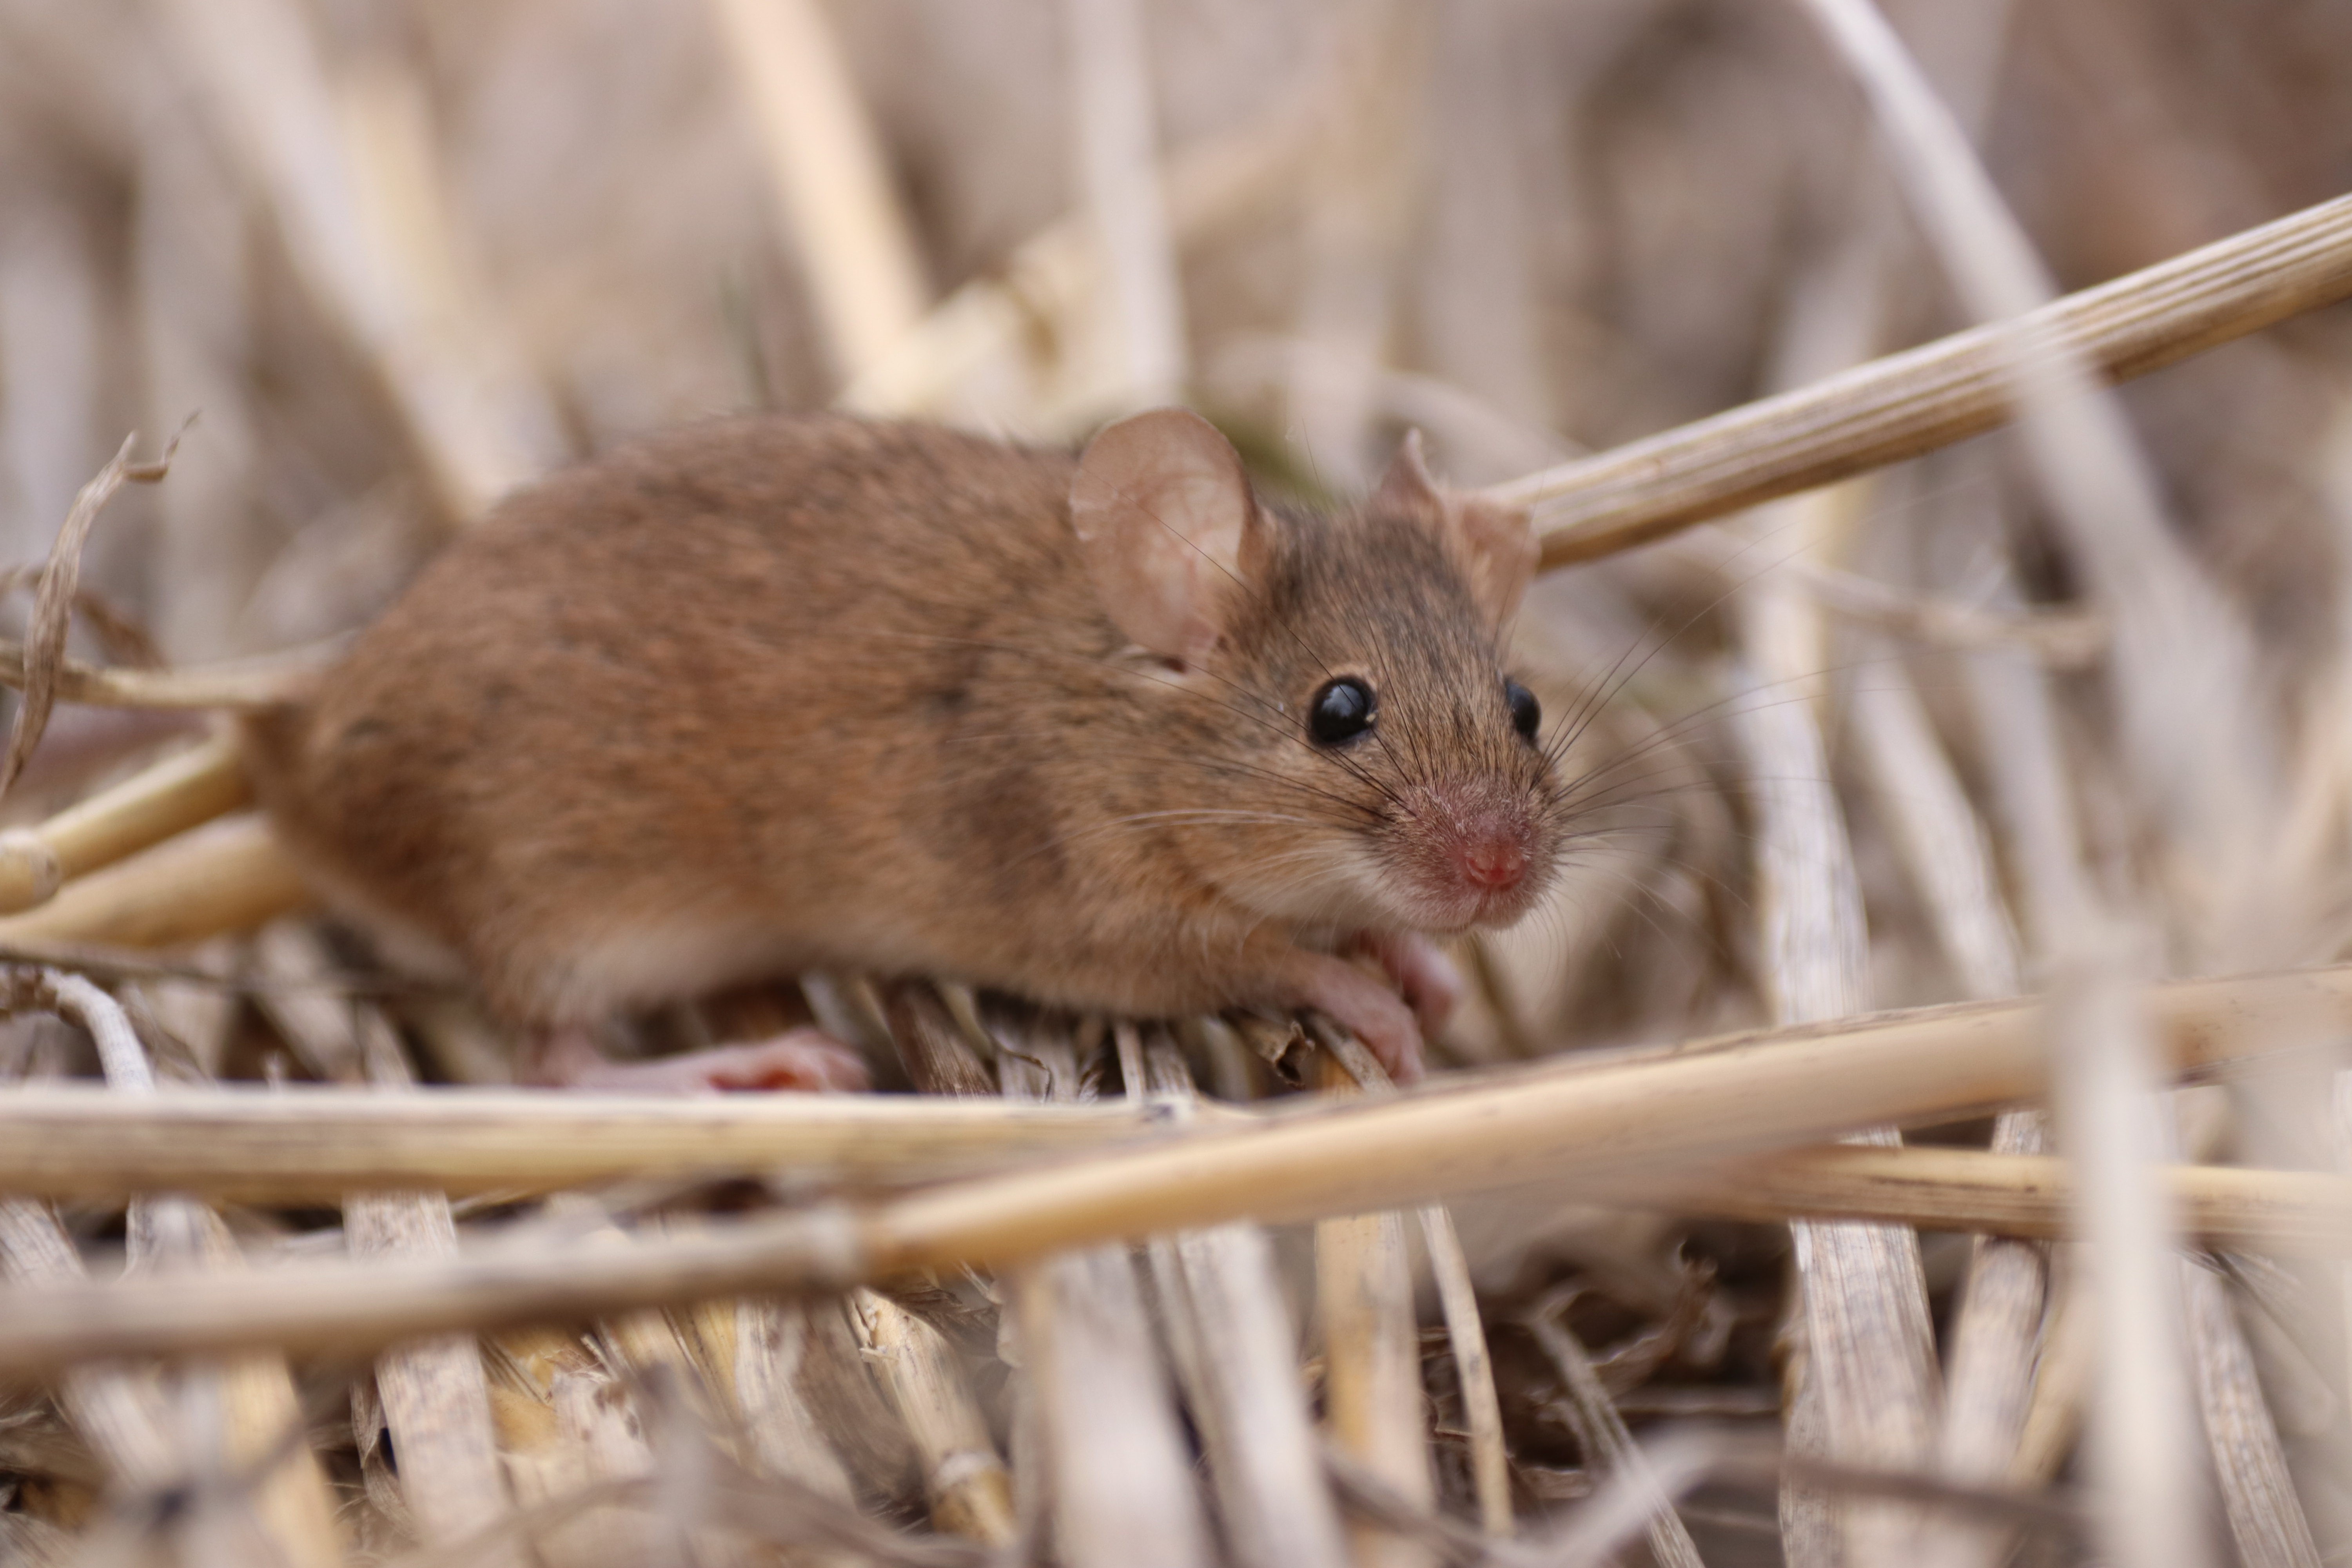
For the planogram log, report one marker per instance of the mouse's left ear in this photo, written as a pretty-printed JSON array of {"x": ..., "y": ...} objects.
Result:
[
  {"x": 1494, "y": 544},
  {"x": 1169, "y": 528}
]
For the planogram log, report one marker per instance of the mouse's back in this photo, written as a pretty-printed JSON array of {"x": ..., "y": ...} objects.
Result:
[{"x": 650, "y": 682}]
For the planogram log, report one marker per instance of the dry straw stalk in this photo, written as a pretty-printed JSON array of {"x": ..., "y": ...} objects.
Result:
[
  {"x": 181, "y": 791},
  {"x": 305, "y": 1144},
  {"x": 308, "y": 1146},
  {"x": 1551, "y": 1122},
  {"x": 228, "y": 875},
  {"x": 264, "y": 681},
  {"x": 1935, "y": 394},
  {"x": 1372, "y": 1355},
  {"x": 2025, "y": 1195},
  {"x": 831, "y": 180},
  {"x": 1233, "y": 1347}
]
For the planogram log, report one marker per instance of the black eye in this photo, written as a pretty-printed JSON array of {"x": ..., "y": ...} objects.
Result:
[
  {"x": 1525, "y": 711},
  {"x": 1341, "y": 711}
]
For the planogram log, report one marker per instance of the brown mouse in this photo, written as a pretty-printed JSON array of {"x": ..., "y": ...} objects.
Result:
[{"x": 775, "y": 694}]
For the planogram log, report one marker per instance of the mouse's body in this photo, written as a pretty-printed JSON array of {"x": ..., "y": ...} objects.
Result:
[{"x": 776, "y": 694}]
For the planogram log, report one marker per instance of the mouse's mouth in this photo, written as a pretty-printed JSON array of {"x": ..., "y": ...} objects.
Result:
[{"x": 1452, "y": 911}]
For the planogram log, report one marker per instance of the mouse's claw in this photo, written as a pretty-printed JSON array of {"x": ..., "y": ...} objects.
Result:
[{"x": 803, "y": 1059}]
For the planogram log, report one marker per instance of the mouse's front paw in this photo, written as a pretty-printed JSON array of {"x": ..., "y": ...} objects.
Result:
[
  {"x": 1369, "y": 1011},
  {"x": 1391, "y": 1034},
  {"x": 1431, "y": 981}
]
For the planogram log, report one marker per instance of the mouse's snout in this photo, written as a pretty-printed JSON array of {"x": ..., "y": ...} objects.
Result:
[{"x": 1476, "y": 846}]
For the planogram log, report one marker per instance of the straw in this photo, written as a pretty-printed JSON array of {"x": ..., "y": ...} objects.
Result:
[
  {"x": 831, "y": 183},
  {"x": 1110, "y": 91},
  {"x": 1505, "y": 1129},
  {"x": 1115, "y": 1473},
  {"x": 479, "y": 428},
  {"x": 1934, "y": 396},
  {"x": 1234, "y": 1346}
]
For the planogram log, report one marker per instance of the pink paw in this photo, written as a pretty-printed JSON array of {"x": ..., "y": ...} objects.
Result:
[
  {"x": 803, "y": 1059},
  {"x": 1392, "y": 1037},
  {"x": 1370, "y": 1011},
  {"x": 1430, "y": 981}
]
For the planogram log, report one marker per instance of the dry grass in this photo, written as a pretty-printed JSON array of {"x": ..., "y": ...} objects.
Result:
[{"x": 2061, "y": 712}]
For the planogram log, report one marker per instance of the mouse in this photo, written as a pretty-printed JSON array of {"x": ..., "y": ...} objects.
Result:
[{"x": 1106, "y": 730}]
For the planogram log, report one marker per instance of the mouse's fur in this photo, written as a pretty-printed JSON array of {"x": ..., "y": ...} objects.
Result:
[{"x": 784, "y": 693}]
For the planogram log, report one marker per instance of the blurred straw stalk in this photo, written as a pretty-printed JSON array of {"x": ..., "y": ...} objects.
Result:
[{"x": 2063, "y": 710}]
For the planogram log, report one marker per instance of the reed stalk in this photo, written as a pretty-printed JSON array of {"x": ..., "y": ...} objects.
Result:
[{"x": 1555, "y": 1122}]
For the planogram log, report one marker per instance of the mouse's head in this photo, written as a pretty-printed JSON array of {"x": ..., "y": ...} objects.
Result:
[{"x": 1333, "y": 686}]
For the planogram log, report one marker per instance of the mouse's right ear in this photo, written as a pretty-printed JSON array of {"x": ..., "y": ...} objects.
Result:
[{"x": 1166, "y": 521}]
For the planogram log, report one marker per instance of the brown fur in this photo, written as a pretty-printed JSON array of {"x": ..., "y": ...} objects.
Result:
[{"x": 771, "y": 694}]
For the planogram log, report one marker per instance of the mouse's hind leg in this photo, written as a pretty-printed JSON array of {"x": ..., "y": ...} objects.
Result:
[{"x": 804, "y": 1058}]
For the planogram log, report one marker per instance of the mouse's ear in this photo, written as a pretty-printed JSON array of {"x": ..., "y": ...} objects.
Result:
[
  {"x": 1166, "y": 521},
  {"x": 1494, "y": 544}
]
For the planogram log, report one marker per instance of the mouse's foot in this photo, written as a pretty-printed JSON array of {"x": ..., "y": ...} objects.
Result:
[
  {"x": 1431, "y": 981},
  {"x": 1369, "y": 1010},
  {"x": 805, "y": 1060}
]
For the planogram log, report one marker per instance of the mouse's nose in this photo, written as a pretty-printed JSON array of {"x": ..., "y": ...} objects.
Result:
[{"x": 1493, "y": 863}]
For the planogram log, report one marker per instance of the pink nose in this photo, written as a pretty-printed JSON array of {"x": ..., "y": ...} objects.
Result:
[{"x": 1493, "y": 864}]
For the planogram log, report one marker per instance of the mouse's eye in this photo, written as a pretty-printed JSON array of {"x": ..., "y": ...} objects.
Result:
[
  {"x": 1525, "y": 711},
  {"x": 1341, "y": 711}
]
